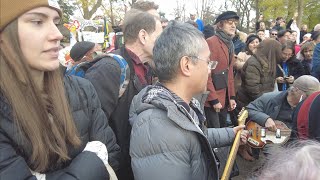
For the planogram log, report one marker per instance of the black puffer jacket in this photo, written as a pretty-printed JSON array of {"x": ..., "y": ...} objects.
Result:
[{"x": 91, "y": 124}]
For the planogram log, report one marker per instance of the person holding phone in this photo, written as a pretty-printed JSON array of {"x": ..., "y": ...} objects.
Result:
[{"x": 289, "y": 68}]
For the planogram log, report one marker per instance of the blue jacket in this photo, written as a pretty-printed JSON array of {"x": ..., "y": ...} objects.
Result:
[{"x": 316, "y": 62}]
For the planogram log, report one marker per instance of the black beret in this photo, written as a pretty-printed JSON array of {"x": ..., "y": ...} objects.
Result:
[
  {"x": 78, "y": 51},
  {"x": 227, "y": 15}
]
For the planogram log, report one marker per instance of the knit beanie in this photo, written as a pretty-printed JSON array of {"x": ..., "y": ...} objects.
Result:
[
  {"x": 307, "y": 84},
  {"x": 80, "y": 49},
  {"x": 12, "y": 9}
]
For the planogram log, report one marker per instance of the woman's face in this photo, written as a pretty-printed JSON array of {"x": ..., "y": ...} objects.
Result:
[
  {"x": 307, "y": 53},
  {"x": 262, "y": 25},
  {"x": 253, "y": 45},
  {"x": 287, "y": 54},
  {"x": 40, "y": 38}
]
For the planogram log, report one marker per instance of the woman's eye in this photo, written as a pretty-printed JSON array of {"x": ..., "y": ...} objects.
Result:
[{"x": 37, "y": 22}]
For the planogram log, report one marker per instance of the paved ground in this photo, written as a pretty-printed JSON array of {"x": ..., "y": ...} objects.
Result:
[{"x": 247, "y": 168}]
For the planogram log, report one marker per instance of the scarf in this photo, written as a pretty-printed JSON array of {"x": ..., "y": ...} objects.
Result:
[
  {"x": 192, "y": 111},
  {"x": 227, "y": 41}
]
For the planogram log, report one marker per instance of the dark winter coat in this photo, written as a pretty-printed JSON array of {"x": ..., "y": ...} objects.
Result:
[
  {"x": 295, "y": 69},
  {"x": 255, "y": 80},
  {"x": 105, "y": 77},
  {"x": 92, "y": 125}
]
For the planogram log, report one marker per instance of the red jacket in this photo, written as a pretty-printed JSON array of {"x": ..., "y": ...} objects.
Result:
[{"x": 219, "y": 52}]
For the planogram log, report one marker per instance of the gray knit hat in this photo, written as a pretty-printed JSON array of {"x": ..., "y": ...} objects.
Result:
[{"x": 307, "y": 84}]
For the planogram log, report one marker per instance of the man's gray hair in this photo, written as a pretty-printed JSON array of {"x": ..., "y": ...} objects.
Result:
[{"x": 177, "y": 40}]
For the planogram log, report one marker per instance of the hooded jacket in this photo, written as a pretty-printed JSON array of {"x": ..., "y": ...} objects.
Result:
[{"x": 168, "y": 144}]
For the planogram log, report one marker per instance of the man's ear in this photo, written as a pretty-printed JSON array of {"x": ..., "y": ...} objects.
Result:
[
  {"x": 142, "y": 36},
  {"x": 186, "y": 66}
]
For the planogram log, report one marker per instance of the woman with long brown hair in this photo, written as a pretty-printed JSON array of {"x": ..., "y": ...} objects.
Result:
[
  {"x": 49, "y": 127},
  {"x": 259, "y": 72}
]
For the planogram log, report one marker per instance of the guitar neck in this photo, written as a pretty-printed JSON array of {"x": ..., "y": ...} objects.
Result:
[{"x": 232, "y": 157}]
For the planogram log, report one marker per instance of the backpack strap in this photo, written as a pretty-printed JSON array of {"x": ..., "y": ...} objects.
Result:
[
  {"x": 124, "y": 69},
  {"x": 125, "y": 72}
]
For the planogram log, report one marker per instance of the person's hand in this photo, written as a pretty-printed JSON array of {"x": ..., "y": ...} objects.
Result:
[
  {"x": 99, "y": 149},
  {"x": 290, "y": 79},
  {"x": 295, "y": 15},
  {"x": 243, "y": 135},
  {"x": 233, "y": 104},
  {"x": 280, "y": 80},
  {"x": 270, "y": 125},
  {"x": 217, "y": 107}
]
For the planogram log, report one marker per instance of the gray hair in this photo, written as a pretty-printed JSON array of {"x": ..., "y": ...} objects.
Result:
[
  {"x": 177, "y": 40},
  {"x": 300, "y": 160}
]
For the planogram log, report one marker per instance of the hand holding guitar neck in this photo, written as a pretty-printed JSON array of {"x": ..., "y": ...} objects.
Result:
[{"x": 235, "y": 146}]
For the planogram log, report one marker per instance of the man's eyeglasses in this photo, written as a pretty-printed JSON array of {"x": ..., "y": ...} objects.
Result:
[
  {"x": 211, "y": 64},
  {"x": 274, "y": 34}
]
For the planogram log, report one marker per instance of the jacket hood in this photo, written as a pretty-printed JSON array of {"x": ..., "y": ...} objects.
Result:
[
  {"x": 138, "y": 106},
  {"x": 149, "y": 98}
]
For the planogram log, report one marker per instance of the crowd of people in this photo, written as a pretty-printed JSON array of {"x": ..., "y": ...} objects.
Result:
[{"x": 134, "y": 113}]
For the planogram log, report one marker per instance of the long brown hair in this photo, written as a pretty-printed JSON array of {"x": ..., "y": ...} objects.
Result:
[
  {"x": 269, "y": 54},
  {"x": 43, "y": 118}
]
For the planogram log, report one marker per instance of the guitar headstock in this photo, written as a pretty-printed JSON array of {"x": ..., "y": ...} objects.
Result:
[{"x": 242, "y": 116}]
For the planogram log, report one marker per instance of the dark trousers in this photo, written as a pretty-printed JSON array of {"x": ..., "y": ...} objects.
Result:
[{"x": 216, "y": 119}]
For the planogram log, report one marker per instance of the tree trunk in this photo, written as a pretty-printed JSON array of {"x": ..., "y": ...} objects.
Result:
[
  {"x": 291, "y": 9},
  {"x": 111, "y": 13},
  {"x": 300, "y": 12},
  {"x": 257, "y": 9},
  {"x": 87, "y": 14}
]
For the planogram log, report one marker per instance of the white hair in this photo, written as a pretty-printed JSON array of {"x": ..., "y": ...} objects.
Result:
[
  {"x": 300, "y": 160},
  {"x": 316, "y": 27}
]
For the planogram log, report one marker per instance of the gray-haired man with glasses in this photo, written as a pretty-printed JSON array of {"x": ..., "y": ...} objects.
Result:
[{"x": 168, "y": 137}]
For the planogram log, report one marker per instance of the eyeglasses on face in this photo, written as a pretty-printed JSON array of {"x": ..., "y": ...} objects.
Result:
[
  {"x": 211, "y": 64},
  {"x": 274, "y": 34},
  {"x": 231, "y": 21}
]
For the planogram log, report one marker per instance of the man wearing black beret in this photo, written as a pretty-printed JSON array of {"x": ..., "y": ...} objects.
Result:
[{"x": 221, "y": 82}]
